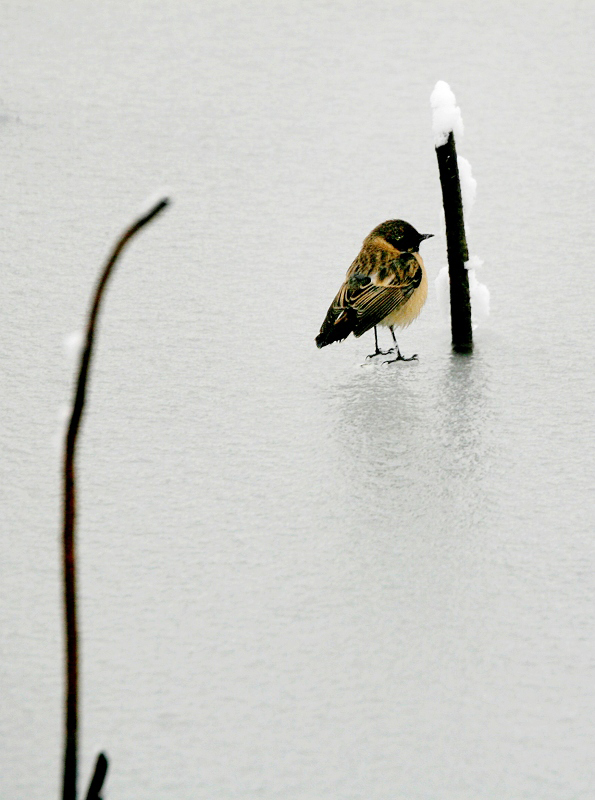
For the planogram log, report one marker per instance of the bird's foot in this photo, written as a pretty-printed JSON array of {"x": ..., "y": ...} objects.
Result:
[
  {"x": 401, "y": 358},
  {"x": 381, "y": 353}
]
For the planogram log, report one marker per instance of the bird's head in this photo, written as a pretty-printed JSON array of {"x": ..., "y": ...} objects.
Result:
[{"x": 401, "y": 235}]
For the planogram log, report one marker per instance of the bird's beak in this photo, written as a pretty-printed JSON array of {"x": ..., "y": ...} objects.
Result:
[{"x": 426, "y": 236}]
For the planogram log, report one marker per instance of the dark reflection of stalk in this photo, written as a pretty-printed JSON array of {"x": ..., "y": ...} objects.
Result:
[
  {"x": 415, "y": 444},
  {"x": 464, "y": 413},
  {"x": 69, "y": 791}
]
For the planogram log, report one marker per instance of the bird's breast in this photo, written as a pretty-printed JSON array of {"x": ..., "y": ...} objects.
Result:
[{"x": 409, "y": 311}]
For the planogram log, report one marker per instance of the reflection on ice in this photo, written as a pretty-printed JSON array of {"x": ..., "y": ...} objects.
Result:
[{"x": 415, "y": 441}]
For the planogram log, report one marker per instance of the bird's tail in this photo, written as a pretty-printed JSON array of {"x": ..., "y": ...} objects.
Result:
[{"x": 338, "y": 324}]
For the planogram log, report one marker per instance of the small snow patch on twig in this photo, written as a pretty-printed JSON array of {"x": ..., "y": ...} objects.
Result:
[
  {"x": 475, "y": 262},
  {"x": 446, "y": 115},
  {"x": 73, "y": 345},
  {"x": 480, "y": 299},
  {"x": 442, "y": 285},
  {"x": 63, "y": 415},
  {"x": 468, "y": 186},
  {"x": 478, "y": 292}
]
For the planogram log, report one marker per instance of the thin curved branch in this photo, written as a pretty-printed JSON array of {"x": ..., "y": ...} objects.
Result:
[{"x": 69, "y": 791}]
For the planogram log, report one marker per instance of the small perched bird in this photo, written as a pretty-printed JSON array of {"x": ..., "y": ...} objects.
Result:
[{"x": 386, "y": 285}]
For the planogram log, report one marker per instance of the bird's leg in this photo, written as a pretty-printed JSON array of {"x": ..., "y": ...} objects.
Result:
[
  {"x": 378, "y": 351},
  {"x": 397, "y": 351}
]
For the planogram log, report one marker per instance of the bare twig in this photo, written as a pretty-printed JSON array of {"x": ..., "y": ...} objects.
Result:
[
  {"x": 70, "y": 752},
  {"x": 98, "y": 778}
]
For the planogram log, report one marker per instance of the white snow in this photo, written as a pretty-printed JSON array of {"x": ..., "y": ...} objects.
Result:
[
  {"x": 480, "y": 299},
  {"x": 442, "y": 285},
  {"x": 468, "y": 186},
  {"x": 63, "y": 421},
  {"x": 479, "y": 294},
  {"x": 474, "y": 262},
  {"x": 446, "y": 115},
  {"x": 73, "y": 345}
]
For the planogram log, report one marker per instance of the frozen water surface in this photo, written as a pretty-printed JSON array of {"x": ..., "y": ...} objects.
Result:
[{"x": 302, "y": 575}]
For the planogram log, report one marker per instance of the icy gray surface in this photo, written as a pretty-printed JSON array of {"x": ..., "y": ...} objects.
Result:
[{"x": 301, "y": 577}]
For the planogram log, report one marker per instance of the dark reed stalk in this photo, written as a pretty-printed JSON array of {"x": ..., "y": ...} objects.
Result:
[
  {"x": 456, "y": 244},
  {"x": 98, "y": 778},
  {"x": 69, "y": 790}
]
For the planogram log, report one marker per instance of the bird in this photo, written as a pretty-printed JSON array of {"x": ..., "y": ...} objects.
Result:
[{"x": 386, "y": 285}]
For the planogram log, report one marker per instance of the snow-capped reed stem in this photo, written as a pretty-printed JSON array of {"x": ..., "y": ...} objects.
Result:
[
  {"x": 456, "y": 245},
  {"x": 69, "y": 786}
]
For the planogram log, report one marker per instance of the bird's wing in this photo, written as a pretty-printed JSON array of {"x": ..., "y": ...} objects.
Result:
[{"x": 373, "y": 297}]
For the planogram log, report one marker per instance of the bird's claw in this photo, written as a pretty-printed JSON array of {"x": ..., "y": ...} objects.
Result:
[
  {"x": 401, "y": 358},
  {"x": 380, "y": 353}
]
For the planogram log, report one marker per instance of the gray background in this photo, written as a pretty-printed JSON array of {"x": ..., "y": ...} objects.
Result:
[{"x": 302, "y": 575}]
